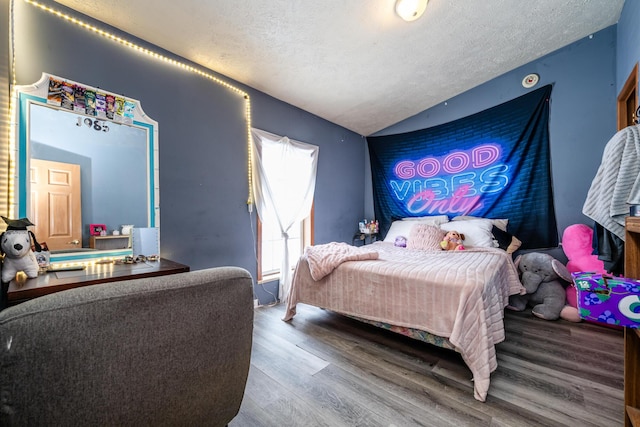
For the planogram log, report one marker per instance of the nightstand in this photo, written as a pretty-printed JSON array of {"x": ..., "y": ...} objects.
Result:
[{"x": 365, "y": 238}]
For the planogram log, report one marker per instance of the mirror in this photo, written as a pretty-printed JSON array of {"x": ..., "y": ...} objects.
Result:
[{"x": 85, "y": 167}]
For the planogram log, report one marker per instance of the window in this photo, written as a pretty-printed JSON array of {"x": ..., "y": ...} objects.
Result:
[
  {"x": 270, "y": 245},
  {"x": 283, "y": 185}
]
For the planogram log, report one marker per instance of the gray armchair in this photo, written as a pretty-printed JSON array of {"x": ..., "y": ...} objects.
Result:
[{"x": 169, "y": 350}]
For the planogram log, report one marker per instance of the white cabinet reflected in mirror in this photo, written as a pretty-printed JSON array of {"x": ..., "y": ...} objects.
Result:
[{"x": 77, "y": 173}]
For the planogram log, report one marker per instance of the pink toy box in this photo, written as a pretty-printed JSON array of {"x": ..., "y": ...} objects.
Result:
[{"x": 608, "y": 299}]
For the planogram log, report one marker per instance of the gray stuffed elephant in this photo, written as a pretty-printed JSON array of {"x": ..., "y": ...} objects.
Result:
[{"x": 542, "y": 276}]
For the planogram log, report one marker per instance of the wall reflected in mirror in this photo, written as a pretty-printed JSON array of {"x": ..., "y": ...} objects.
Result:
[{"x": 84, "y": 171}]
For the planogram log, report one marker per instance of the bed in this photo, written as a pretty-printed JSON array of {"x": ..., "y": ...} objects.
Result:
[{"x": 454, "y": 299}]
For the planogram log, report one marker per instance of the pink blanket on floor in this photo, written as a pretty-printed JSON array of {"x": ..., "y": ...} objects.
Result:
[{"x": 323, "y": 259}]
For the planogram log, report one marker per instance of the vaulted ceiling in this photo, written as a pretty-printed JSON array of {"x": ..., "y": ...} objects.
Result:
[{"x": 355, "y": 62}]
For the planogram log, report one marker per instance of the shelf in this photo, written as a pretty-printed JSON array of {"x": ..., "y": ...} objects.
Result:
[
  {"x": 109, "y": 242},
  {"x": 633, "y": 224}
]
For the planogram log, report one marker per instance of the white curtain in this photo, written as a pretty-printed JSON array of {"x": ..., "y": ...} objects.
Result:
[{"x": 284, "y": 180}]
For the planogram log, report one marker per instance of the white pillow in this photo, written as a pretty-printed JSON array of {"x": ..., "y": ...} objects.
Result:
[
  {"x": 399, "y": 228},
  {"x": 500, "y": 223},
  {"x": 477, "y": 232},
  {"x": 432, "y": 220}
]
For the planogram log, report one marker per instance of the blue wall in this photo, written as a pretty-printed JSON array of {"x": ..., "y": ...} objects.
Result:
[
  {"x": 583, "y": 115},
  {"x": 202, "y": 135},
  {"x": 628, "y": 42}
]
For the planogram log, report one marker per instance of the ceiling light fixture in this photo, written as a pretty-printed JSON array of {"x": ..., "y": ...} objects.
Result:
[{"x": 410, "y": 10}]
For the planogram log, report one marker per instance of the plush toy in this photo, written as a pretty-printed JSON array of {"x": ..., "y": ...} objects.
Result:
[
  {"x": 15, "y": 244},
  {"x": 452, "y": 241},
  {"x": 577, "y": 246},
  {"x": 542, "y": 276},
  {"x": 400, "y": 242}
]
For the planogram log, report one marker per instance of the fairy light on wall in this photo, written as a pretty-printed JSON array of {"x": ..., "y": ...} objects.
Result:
[
  {"x": 160, "y": 57},
  {"x": 11, "y": 208},
  {"x": 247, "y": 105}
]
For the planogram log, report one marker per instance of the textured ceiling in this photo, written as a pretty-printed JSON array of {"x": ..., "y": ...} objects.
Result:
[{"x": 355, "y": 62}]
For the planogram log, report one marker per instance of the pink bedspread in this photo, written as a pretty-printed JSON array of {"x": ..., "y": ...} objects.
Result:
[
  {"x": 459, "y": 295},
  {"x": 323, "y": 259}
]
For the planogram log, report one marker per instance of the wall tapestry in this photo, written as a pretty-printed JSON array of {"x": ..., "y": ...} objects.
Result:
[{"x": 493, "y": 164}]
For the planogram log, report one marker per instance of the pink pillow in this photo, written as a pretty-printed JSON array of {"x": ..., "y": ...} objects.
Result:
[{"x": 425, "y": 237}]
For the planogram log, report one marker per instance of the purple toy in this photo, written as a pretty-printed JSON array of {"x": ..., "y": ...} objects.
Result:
[{"x": 401, "y": 242}]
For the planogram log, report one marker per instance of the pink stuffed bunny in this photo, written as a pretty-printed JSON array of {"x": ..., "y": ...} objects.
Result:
[{"x": 576, "y": 243}]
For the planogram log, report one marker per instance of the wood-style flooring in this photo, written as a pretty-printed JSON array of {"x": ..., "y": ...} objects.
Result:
[{"x": 323, "y": 369}]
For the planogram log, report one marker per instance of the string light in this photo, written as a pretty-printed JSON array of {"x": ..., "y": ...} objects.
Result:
[
  {"x": 12, "y": 208},
  {"x": 12, "y": 155},
  {"x": 249, "y": 152},
  {"x": 96, "y": 263},
  {"x": 160, "y": 57}
]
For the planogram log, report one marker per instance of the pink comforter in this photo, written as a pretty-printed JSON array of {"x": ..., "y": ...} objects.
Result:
[{"x": 459, "y": 295}]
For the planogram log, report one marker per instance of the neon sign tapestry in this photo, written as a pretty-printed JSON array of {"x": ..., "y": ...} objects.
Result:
[{"x": 493, "y": 164}]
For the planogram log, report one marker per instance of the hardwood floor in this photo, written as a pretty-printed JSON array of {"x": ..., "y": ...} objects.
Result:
[{"x": 323, "y": 369}]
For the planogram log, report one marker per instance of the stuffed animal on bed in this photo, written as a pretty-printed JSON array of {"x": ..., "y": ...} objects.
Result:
[
  {"x": 15, "y": 244},
  {"x": 452, "y": 241},
  {"x": 400, "y": 242}
]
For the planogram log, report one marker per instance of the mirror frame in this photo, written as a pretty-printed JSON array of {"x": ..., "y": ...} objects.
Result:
[{"x": 37, "y": 93}]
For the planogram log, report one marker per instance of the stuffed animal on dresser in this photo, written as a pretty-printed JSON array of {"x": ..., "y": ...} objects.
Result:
[
  {"x": 19, "y": 261},
  {"x": 452, "y": 241}
]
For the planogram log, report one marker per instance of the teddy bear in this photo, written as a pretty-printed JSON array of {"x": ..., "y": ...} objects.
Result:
[
  {"x": 15, "y": 244},
  {"x": 452, "y": 241},
  {"x": 544, "y": 279}
]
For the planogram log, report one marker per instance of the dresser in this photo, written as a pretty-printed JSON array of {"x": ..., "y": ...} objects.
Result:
[
  {"x": 56, "y": 281},
  {"x": 632, "y": 336}
]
